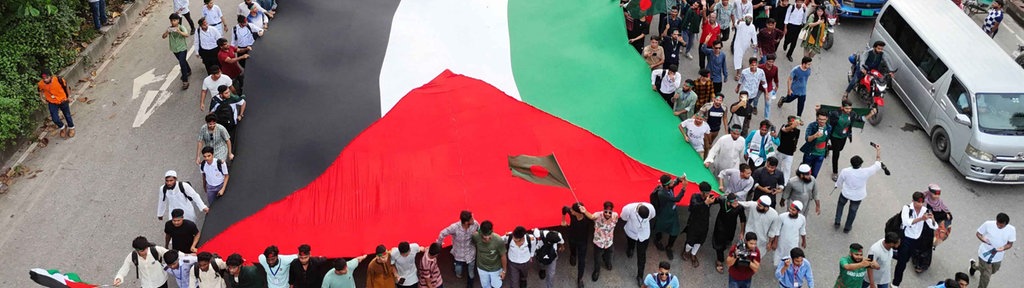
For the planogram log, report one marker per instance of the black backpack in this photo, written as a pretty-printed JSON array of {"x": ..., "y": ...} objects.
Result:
[
  {"x": 219, "y": 169},
  {"x": 655, "y": 200},
  {"x": 224, "y": 112},
  {"x": 181, "y": 188},
  {"x": 152, "y": 253},
  {"x": 547, "y": 253},
  {"x": 895, "y": 223},
  {"x": 213, "y": 265},
  {"x": 529, "y": 241}
]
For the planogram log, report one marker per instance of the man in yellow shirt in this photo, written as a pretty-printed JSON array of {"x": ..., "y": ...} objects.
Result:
[{"x": 55, "y": 95}]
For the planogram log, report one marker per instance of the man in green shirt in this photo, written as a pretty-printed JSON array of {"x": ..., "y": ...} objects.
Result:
[
  {"x": 179, "y": 47},
  {"x": 684, "y": 101},
  {"x": 854, "y": 267},
  {"x": 341, "y": 276},
  {"x": 490, "y": 256},
  {"x": 842, "y": 122},
  {"x": 242, "y": 276},
  {"x": 817, "y": 142}
]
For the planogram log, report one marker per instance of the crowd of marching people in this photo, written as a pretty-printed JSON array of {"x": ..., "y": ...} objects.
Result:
[{"x": 760, "y": 212}]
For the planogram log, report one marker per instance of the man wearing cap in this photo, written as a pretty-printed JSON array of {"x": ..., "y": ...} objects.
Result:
[
  {"x": 697, "y": 223},
  {"x": 854, "y": 267},
  {"x": 178, "y": 195},
  {"x": 277, "y": 266},
  {"x": 727, "y": 152},
  {"x": 341, "y": 275},
  {"x": 667, "y": 220},
  {"x": 854, "y": 181},
  {"x": 638, "y": 217},
  {"x": 55, "y": 95},
  {"x": 380, "y": 273},
  {"x": 491, "y": 256},
  {"x": 178, "y": 265},
  {"x": 685, "y": 100},
  {"x": 746, "y": 39},
  {"x": 149, "y": 270},
  {"x": 462, "y": 246},
  {"x": 763, "y": 221},
  {"x": 802, "y": 188},
  {"x": 792, "y": 230},
  {"x": 181, "y": 234},
  {"x": 736, "y": 181}
]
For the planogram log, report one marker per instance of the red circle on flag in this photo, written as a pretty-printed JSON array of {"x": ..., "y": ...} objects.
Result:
[{"x": 539, "y": 171}]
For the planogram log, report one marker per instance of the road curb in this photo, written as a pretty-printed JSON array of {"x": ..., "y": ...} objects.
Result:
[{"x": 80, "y": 70}]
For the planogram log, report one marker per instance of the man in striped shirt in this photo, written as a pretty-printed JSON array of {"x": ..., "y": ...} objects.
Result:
[
  {"x": 462, "y": 245},
  {"x": 429, "y": 273}
]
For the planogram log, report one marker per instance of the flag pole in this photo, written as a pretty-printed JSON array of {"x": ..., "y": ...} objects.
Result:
[{"x": 566, "y": 178}]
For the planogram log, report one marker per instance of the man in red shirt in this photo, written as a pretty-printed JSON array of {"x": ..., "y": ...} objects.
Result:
[
  {"x": 771, "y": 77},
  {"x": 54, "y": 93},
  {"x": 768, "y": 39},
  {"x": 229, "y": 65},
  {"x": 744, "y": 262}
]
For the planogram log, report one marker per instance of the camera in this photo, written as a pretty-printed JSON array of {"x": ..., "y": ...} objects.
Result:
[{"x": 742, "y": 255}]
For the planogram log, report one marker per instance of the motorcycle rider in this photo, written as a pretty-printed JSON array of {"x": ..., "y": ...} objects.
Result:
[{"x": 871, "y": 59}]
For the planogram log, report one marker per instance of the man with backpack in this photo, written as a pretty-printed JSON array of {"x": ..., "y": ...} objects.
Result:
[
  {"x": 662, "y": 279},
  {"x": 215, "y": 175},
  {"x": 178, "y": 195},
  {"x": 244, "y": 276},
  {"x": 228, "y": 108},
  {"x": 178, "y": 265},
  {"x": 149, "y": 270},
  {"x": 245, "y": 35},
  {"x": 913, "y": 218},
  {"x": 208, "y": 271},
  {"x": 55, "y": 95},
  {"x": 180, "y": 234},
  {"x": 547, "y": 254},
  {"x": 520, "y": 248}
]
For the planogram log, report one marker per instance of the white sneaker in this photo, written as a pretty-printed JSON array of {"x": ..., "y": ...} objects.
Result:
[{"x": 688, "y": 56}]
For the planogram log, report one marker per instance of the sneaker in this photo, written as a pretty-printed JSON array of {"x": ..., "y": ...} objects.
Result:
[
  {"x": 973, "y": 267},
  {"x": 688, "y": 56},
  {"x": 184, "y": 85},
  {"x": 780, "y": 102},
  {"x": 71, "y": 133}
]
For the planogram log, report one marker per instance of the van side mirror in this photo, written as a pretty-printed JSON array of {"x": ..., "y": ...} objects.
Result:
[{"x": 963, "y": 119}]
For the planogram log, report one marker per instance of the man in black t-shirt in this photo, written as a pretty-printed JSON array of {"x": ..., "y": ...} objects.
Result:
[
  {"x": 181, "y": 234},
  {"x": 307, "y": 271},
  {"x": 639, "y": 32},
  {"x": 768, "y": 180},
  {"x": 788, "y": 137}
]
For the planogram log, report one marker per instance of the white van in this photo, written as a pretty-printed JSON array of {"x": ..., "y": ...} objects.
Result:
[{"x": 966, "y": 92}]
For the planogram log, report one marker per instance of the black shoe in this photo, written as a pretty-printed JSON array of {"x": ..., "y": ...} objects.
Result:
[
  {"x": 659, "y": 246},
  {"x": 847, "y": 231},
  {"x": 639, "y": 281},
  {"x": 629, "y": 254},
  {"x": 973, "y": 269},
  {"x": 608, "y": 266},
  {"x": 572, "y": 261},
  {"x": 671, "y": 255},
  {"x": 595, "y": 275},
  {"x": 789, "y": 57},
  {"x": 835, "y": 225},
  {"x": 579, "y": 284},
  {"x": 543, "y": 273}
]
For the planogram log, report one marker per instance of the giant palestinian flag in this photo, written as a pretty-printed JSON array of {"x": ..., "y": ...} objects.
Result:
[{"x": 374, "y": 122}]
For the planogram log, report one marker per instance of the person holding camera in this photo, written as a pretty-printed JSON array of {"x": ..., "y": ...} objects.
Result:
[
  {"x": 853, "y": 268},
  {"x": 854, "y": 181},
  {"x": 914, "y": 217},
  {"x": 744, "y": 260},
  {"x": 667, "y": 220}
]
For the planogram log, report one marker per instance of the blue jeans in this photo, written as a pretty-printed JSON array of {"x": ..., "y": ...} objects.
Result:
[
  {"x": 756, "y": 98},
  {"x": 470, "y": 270},
  {"x": 854, "y": 205},
  {"x": 815, "y": 162},
  {"x": 183, "y": 62},
  {"x": 688, "y": 37},
  {"x": 853, "y": 81},
  {"x": 99, "y": 13},
  {"x": 489, "y": 279},
  {"x": 739, "y": 284},
  {"x": 64, "y": 108},
  {"x": 799, "y": 104}
]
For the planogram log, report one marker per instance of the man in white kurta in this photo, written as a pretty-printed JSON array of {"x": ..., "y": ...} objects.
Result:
[
  {"x": 762, "y": 220},
  {"x": 727, "y": 152},
  {"x": 173, "y": 195},
  {"x": 792, "y": 230},
  {"x": 746, "y": 39}
]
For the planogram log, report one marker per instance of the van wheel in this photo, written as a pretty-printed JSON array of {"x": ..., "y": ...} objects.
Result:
[{"x": 940, "y": 144}]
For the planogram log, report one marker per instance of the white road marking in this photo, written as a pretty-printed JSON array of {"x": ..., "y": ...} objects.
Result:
[{"x": 148, "y": 106}]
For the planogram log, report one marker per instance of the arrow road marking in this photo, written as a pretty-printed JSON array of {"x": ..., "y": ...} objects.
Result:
[{"x": 150, "y": 102}]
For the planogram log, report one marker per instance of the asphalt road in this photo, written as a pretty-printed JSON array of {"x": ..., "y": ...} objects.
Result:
[{"x": 94, "y": 193}]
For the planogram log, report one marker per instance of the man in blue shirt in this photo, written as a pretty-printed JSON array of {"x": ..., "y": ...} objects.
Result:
[
  {"x": 798, "y": 85},
  {"x": 794, "y": 270},
  {"x": 716, "y": 64},
  {"x": 662, "y": 279}
]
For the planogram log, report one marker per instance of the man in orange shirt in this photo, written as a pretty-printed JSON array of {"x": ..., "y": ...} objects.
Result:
[
  {"x": 55, "y": 95},
  {"x": 380, "y": 273}
]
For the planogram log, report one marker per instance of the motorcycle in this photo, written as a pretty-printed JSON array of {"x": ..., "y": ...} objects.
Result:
[
  {"x": 831, "y": 20},
  {"x": 972, "y": 7},
  {"x": 1019, "y": 55},
  {"x": 871, "y": 87}
]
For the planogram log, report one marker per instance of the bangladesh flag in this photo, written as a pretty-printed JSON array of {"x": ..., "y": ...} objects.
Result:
[{"x": 385, "y": 119}]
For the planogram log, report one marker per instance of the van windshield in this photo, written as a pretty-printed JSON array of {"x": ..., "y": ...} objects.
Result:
[{"x": 1001, "y": 114}]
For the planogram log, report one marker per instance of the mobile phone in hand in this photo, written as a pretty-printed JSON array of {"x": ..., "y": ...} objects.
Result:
[
  {"x": 871, "y": 257},
  {"x": 873, "y": 144}
]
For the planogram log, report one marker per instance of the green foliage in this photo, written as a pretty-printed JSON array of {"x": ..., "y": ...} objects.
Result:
[{"x": 36, "y": 34}]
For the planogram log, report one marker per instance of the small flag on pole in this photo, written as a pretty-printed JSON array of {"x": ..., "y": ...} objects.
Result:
[
  {"x": 542, "y": 170},
  {"x": 55, "y": 279}
]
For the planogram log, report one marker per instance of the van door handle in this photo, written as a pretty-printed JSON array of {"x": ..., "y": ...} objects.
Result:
[{"x": 942, "y": 105}]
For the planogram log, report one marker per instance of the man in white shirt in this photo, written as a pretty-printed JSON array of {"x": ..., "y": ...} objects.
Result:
[
  {"x": 181, "y": 8},
  {"x": 794, "y": 23},
  {"x": 208, "y": 271},
  {"x": 914, "y": 217},
  {"x": 404, "y": 259},
  {"x": 148, "y": 267},
  {"x": 727, "y": 152},
  {"x": 638, "y": 217},
  {"x": 670, "y": 82},
  {"x": 746, "y": 39},
  {"x": 212, "y": 82},
  {"x": 214, "y": 15},
  {"x": 996, "y": 237},
  {"x": 792, "y": 230},
  {"x": 276, "y": 266},
  {"x": 520, "y": 248},
  {"x": 736, "y": 181},
  {"x": 178, "y": 195},
  {"x": 694, "y": 130},
  {"x": 751, "y": 80},
  {"x": 854, "y": 182},
  {"x": 245, "y": 35},
  {"x": 206, "y": 44},
  {"x": 762, "y": 220},
  {"x": 215, "y": 175},
  {"x": 247, "y": 5},
  {"x": 178, "y": 265},
  {"x": 881, "y": 252}
]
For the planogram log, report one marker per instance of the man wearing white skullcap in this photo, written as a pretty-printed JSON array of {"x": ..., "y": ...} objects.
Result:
[
  {"x": 746, "y": 39},
  {"x": 801, "y": 188},
  {"x": 178, "y": 195},
  {"x": 763, "y": 220},
  {"x": 792, "y": 230}
]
